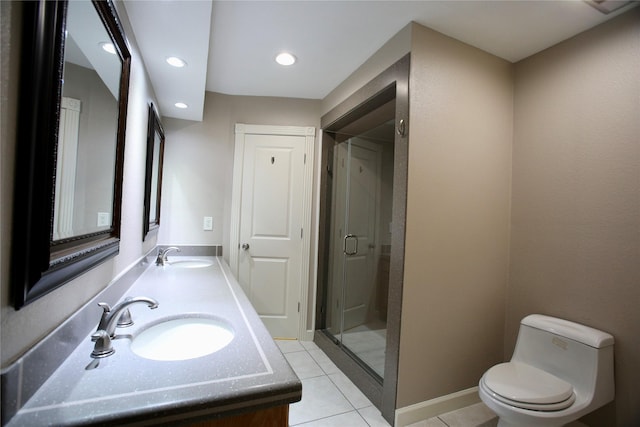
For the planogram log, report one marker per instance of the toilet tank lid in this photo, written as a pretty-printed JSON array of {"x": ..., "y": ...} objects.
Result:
[{"x": 575, "y": 331}]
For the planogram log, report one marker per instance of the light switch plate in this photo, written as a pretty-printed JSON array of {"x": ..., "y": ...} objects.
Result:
[
  {"x": 104, "y": 219},
  {"x": 207, "y": 224}
]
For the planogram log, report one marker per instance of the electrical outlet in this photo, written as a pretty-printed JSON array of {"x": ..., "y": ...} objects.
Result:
[{"x": 207, "y": 224}]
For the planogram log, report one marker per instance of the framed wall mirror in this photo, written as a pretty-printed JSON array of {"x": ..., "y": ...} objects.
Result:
[
  {"x": 153, "y": 174},
  {"x": 70, "y": 148}
]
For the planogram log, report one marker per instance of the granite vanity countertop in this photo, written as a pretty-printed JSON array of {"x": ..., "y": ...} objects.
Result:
[{"x": 125, "y": 389}]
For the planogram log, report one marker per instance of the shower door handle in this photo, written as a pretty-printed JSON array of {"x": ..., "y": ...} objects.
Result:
[{"x": 353, "y": 248}]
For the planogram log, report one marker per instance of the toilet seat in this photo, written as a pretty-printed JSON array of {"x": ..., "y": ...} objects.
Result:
[{"x": 527, "y": 387}]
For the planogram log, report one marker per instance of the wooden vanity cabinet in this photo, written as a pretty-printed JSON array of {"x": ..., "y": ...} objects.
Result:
[{"x": 276, "y": 416}]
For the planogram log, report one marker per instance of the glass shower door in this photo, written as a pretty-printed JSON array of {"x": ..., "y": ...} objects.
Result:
[{"x": 358, "y": 276}]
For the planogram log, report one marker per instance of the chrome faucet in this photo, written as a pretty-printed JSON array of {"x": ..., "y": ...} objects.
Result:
[
  {"x": 110, "y": 316},
  {"x": 162, "y": 254},
  {"x": 103, "y": 347}
]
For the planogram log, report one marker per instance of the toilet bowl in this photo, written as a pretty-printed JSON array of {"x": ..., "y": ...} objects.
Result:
[{"x": 559, "y": 371}]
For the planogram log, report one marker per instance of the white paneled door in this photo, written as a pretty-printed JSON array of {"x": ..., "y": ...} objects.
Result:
[{"x": 270, "y": 253}]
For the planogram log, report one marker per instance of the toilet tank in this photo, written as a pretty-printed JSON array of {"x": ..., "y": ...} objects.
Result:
[{"x": 578, "y": 354}]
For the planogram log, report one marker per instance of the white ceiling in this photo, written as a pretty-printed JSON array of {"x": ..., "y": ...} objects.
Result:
[{"x": 230, "y": 45}]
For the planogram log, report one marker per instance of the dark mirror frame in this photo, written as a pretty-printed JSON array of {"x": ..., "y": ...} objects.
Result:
[
  {"x": 155, "y": 128},
  {"x": 39, "y": 264}
]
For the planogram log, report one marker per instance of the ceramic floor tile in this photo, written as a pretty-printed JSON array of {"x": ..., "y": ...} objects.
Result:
[
  {"x": 373, "y": 417},
  {"x": 288, "y": 346},
  {"x": 303, "y": 364},
  {"x": 431, "y": 422},
  {"x": 350, "y": 391},
  {"x": 471, "y": 416},
  {"x": 330, "y": 399},
  {"x": 320, "y": 399},
  {"x": 323, "y": 360},
  {"x": 494, "y": 423},
  {"x": 309, "y": 345},
  {"x": 349, "y": 419}
]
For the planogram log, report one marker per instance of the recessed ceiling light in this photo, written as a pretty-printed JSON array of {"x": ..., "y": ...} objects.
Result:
[
  {"x": 181, "y": 105},
  {"x": 285, "y": 58},
  {"x": 176, "y": 62},
  {"x": 108, "y": 47}
]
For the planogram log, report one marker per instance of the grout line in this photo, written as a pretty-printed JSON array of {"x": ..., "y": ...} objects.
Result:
[
  {"x": 354, "y": 409},
  {"x": 330, "y": 416},
  {"x": 325, "y": 374},
  {"x": 341, "y": 392},
  {"x": 363, "y": 418},
  {"x": 332, "y": 382}
]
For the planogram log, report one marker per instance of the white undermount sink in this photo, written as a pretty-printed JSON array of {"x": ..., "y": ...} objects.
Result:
[
  {"x": 182, "y": 338},
  {"x": 191, "y": 263}
]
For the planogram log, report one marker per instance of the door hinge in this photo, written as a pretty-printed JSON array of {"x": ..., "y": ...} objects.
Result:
[
  {"x": 305, "y": 158},
  {"x": 298, "y": 306},
  {"x": 301, "y": 232}
]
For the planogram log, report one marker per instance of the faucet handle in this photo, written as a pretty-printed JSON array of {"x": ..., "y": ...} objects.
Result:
[
  {"x": 106, "y": 309},
  {"x": 103, "y": 347},
  {"x": 125, "y": 318}
]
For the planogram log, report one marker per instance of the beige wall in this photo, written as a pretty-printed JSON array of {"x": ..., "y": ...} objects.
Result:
[
  {"x": 576, "y": 206},
  {"x": 575, "y": 241},
  {"x": 198, "y": 168},
  {"x": 198, "y": 165},
  {"x": 456, "y": 254},
  {"x": 23, "y": 329},
  {"x": 392, "y": 51}
]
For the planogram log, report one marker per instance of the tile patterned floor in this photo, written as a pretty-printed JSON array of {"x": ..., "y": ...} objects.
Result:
[
  {"x": 330, "y": 399},
  {"x": 477, "y": 415}
]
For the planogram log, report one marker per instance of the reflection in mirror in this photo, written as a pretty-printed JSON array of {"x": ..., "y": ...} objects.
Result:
[
  {"x": 88, "y": 123},
  {"x": 70, "y": 148},
  {"x": 153, "y": 175}
]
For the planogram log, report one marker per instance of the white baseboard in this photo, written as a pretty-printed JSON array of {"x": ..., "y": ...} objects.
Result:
[
  {"x": 434, "y": 407},
  {"x": 307, "y": 335}
]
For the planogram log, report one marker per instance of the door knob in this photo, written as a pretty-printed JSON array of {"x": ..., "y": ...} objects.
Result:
[{"x": 245, "y": 246}]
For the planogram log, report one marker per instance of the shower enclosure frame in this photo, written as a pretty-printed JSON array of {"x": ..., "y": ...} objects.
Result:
[{"x": 391, "y": 85}]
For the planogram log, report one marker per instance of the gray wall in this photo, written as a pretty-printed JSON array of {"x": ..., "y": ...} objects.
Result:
[{"x": 575, "y": 224}]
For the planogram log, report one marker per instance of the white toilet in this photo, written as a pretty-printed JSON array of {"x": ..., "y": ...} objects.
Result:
[{"x": 559, "y": 372}]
